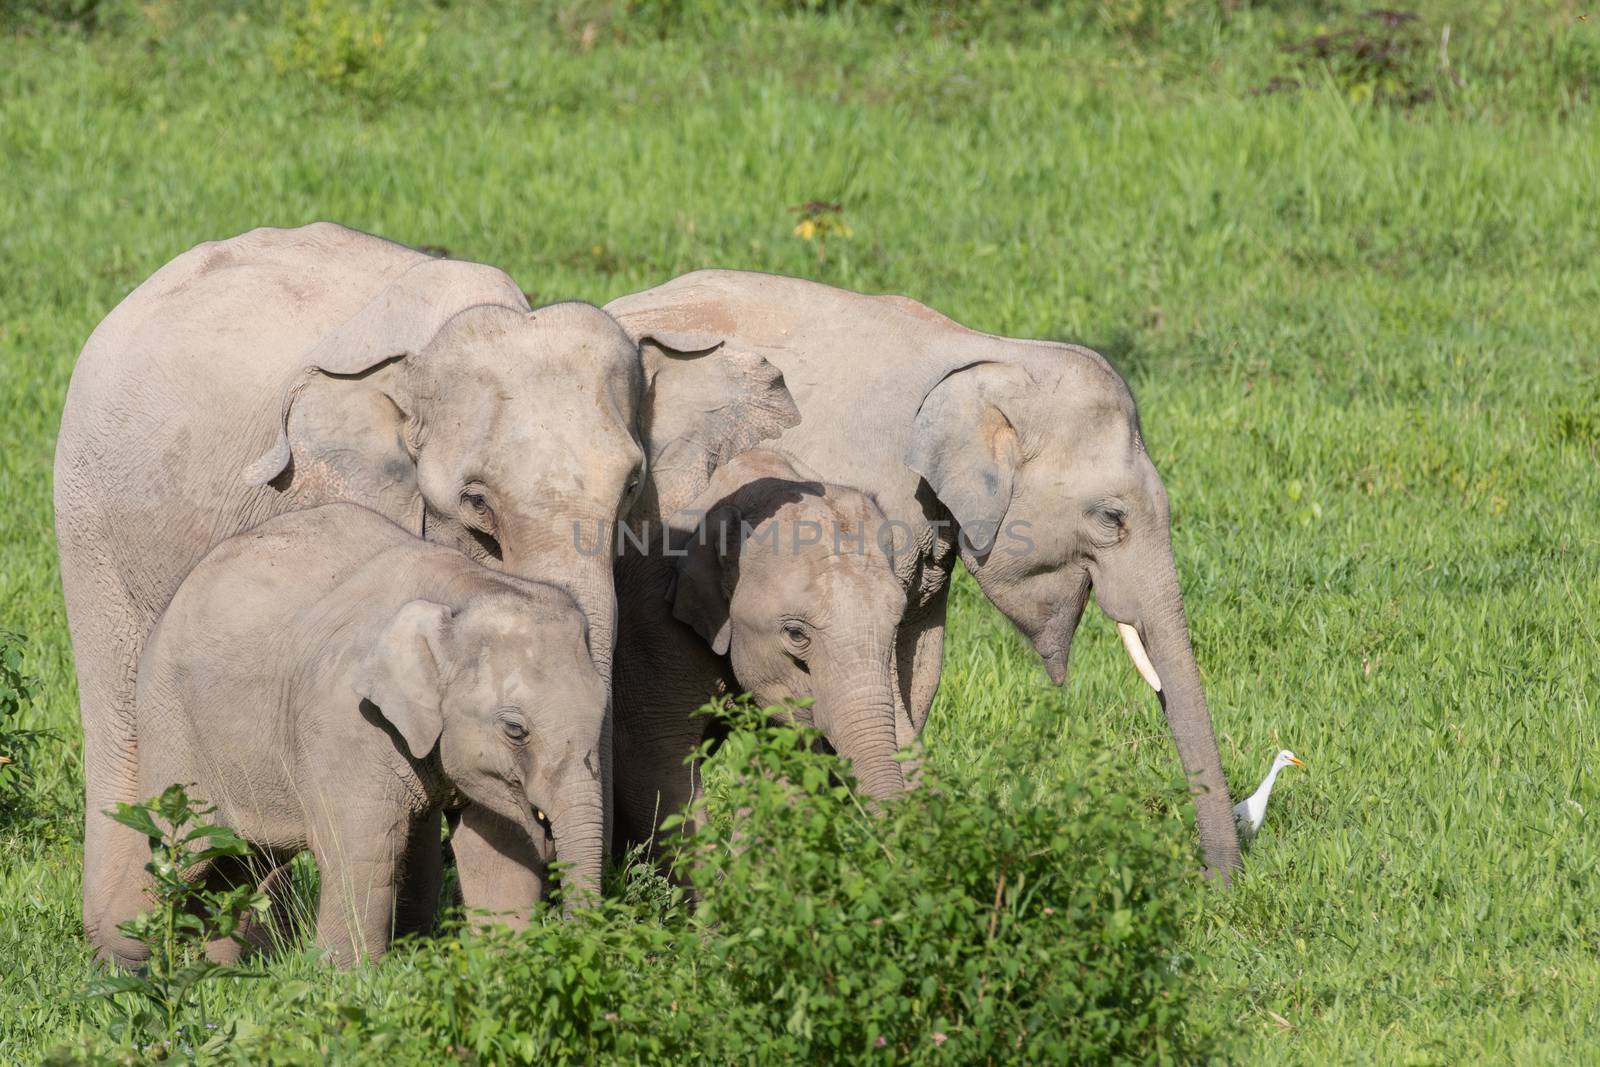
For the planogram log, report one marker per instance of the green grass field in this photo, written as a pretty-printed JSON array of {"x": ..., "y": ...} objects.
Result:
[{"x": 1361, "y": 318}]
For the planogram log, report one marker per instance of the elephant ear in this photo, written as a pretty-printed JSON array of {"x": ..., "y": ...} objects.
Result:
[
  {"x": 705, "y": 399},
  {"x": 966, "y": 447},
  {"x": 705, "y": 574},
  {"x": 401, "y": 674},
  {"x": 704, "y": 405},
  {"x": 398, "y": 322}
]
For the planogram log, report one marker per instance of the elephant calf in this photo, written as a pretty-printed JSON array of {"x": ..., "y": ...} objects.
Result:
[
  {"x": 330, "y": 682},
  {"x": 771, "y": 583}
]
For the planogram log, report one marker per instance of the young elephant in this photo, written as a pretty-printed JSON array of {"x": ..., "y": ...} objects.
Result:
[
  {"x": 330, "y": 682},
  {"x": 770, "y": 583}
]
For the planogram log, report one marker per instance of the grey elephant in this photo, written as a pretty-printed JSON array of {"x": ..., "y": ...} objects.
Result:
[
  {"x": 283, "y": 369},
  {"x": 331, "y": 682},
  {"x": 771, "y": 583},
  {"x": 1023, "y": 458}
]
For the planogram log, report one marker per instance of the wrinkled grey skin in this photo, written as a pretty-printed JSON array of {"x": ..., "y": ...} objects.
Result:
[
  {"x": 283, "y": 369},
  {"x": 776, "y": 585},
  {"x": 331, "y": 682},
  {"x": 1032, "y": 449}
]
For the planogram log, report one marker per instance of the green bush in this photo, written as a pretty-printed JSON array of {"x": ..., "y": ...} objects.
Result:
[
  {"x": 1141, "y": 20},
  {"x": 366, "y": 50},
  {"x": 83, "y": 15},
  {"x": 163, "y": 1009},
  {"x": 981, "y": 919},
  {"x": 1386, "y": 57},
  {"x": 17, "y": 689}
]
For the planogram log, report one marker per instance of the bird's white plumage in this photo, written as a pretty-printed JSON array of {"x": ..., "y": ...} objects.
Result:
[{"x": 1251, "y": 812}]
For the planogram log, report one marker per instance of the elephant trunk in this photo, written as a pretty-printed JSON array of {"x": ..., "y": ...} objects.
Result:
[
  {"x": 578, "y": 826},
  {"x": 858, "y": 716},
  {"x": 576, "y": 556},
  {"x": 1164, "y": 633}
]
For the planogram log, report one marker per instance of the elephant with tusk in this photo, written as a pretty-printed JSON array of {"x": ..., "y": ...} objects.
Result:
[{"x": 1022, "y": 458}]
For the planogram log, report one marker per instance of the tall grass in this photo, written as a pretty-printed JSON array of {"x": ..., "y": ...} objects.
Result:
[{"x": 1361, "y": 329}]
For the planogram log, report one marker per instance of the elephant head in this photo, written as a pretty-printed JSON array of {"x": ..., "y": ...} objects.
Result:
[
  {"x": 504, "y": 688},
  {"x": 517, "y": 436},
  {"x": 791, "y": 580},
  {"x": 1040, "y": 462}
]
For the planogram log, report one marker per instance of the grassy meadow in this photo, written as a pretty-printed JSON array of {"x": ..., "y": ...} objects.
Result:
[{"x": 1349, "y": 265}]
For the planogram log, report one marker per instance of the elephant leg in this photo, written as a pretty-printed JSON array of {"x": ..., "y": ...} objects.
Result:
[
  {"x": 281, "y": 928},
  {"x": 664, "y": 672},
  {"x": 108, "y": 632},
  {"x": 656, "y": 782},
  {"x": 501, "y": 869},
  {"x": 125, "y": 897},
  {"x": 254, "y": 934},
  {"x": 355, "y": 912},
  {"x": 422, "y": 873},
  {"x": 359, "y": 860},
  {"x": 450, "y": 893}
]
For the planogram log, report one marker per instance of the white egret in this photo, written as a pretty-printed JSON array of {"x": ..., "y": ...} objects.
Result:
[{"x": 1251, "y": 812}]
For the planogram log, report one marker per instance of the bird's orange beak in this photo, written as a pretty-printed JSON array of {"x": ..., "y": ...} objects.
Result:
[{"x": 1297, "y": 761}]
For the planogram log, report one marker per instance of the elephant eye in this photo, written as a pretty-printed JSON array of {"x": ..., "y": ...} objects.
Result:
[
  {"x": 513, "y": 727},
  {"x": 796, "y": 638},
  {"x": 477, "y": 503},
  {"x": 1108, "y": 524}
]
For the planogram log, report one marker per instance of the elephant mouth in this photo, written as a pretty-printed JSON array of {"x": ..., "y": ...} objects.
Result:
[{"x": 544, "y": 834}]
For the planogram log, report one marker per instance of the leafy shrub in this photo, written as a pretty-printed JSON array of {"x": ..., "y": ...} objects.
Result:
[
  {"x": 168, "y": 1004},
  {"x": 1136, "y": 19},
  {"x": 1386, "y": 58},
  {"x": 1146, "y": 19},
  {"x": 368, "y": 51},
  {"x": 17, "y": 689},
  {"x": 983, "y": 918},
  {"x": 595, "y": 989},
  {"x": 97, "y": 17},
  {"x": 82, "y": 15}
]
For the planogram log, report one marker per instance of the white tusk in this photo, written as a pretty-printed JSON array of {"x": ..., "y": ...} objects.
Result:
[{"x": 1141, "y": 658}]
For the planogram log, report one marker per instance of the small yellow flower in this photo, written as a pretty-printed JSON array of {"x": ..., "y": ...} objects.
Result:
[{"x": 820, "y": 220}]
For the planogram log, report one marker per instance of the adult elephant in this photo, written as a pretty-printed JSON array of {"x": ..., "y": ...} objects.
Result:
[
  {"x": 283, "y": 369},
  {"x": 1022, "y": 457}
]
